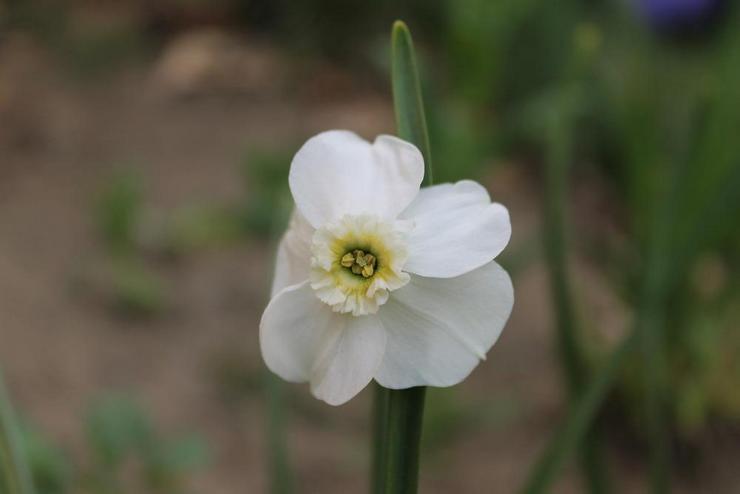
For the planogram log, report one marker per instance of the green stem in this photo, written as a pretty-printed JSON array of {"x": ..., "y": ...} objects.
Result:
[
  {"x": 398, "y": 414},
  {"x": 572, "y": 355},
  {"x": 14, "y": 472},
  {"x": 405, "y": 409}
]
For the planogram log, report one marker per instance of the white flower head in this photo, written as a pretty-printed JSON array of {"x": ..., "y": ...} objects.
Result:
[{"x": 379, "y": 279}]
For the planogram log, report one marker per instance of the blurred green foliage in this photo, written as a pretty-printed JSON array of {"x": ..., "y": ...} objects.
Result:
[
  {"x": 135, "y": 290},
  {"x": 449, "y": 418},
  {"x": 135, "y": 235},
  {"x": 675, "y": 115},
  {"x": 123, "y": 276},
  {"x": 126, "y": 454},
  {"x": 644, "y": 104},
  {"x": 118, "y": 212},
  {"x": 199, "y": 226},
  {"x": 268, "y": 203},
  {"x": 52, "y": 473}
]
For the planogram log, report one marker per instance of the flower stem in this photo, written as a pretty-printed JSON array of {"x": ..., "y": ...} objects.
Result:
[
  {"x": 15, "y": 476},
  {"x": 398, "y": 423}
]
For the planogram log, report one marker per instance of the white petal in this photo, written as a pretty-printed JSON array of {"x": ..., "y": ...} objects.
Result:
[
  {"x": 457, "y": 229},
  {"x": 291, "y": 329},
  {"x": 337, "y": 173},
  {"x": 349, "y": 357},
  {"x": 293, "y": 261},
  {"x": 439, "y": 329}
]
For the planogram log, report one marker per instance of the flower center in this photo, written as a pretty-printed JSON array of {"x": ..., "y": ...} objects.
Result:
[
  {"x": 360, "y": 262},
  {"x": 357, "y": 261}
]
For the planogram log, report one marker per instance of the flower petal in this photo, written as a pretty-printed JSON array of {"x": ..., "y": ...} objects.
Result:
[
  {"x": 457, "y": 229},
  {"x": 293, "y": 261},
  {"x": 349, "y": 357},
  {"x": 291, "y": 329},
  {"x": 439, "y": 329},
  {"x": 337, "y": 173}
]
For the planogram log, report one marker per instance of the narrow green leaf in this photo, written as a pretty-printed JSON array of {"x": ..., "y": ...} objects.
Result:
[
  {"x": 15, "y": 475},
  {"x": 407, "y": 101}
]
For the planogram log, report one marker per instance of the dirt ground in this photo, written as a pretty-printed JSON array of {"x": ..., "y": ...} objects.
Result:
[{"x": 60, "y": 139}]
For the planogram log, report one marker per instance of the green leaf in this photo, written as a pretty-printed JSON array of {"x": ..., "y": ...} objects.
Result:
[
  {"x": 118, "y": 212},
  {"x": 50, "y": 468},
  {"x": 410, "y": 120},
  {"x": 116, "y": 428},
  {"x": 15, "y": 475}
]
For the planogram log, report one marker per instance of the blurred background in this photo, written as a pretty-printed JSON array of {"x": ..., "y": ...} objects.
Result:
[{"x": 144, "y": 150}]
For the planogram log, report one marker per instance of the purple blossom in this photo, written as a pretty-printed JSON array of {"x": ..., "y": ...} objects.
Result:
[{"x": 679, "y": 14}]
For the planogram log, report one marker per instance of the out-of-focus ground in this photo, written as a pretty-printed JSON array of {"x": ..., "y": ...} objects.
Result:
[{"x": 183, "y": 122}]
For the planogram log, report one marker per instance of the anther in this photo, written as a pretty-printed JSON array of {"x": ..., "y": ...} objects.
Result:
[{"x": 359, "y": 262}]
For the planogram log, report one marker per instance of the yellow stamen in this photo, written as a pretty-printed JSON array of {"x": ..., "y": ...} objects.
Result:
[{"x": 359, "y": 262}]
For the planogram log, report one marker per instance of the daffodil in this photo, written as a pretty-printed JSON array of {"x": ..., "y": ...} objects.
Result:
[{"x": 378, "y": 279}]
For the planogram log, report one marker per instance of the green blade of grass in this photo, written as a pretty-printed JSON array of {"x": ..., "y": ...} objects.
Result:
[{"x": 15, "y": 474}]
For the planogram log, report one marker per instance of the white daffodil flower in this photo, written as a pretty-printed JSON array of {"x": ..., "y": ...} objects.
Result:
[{"x": 377, "y": 278}]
